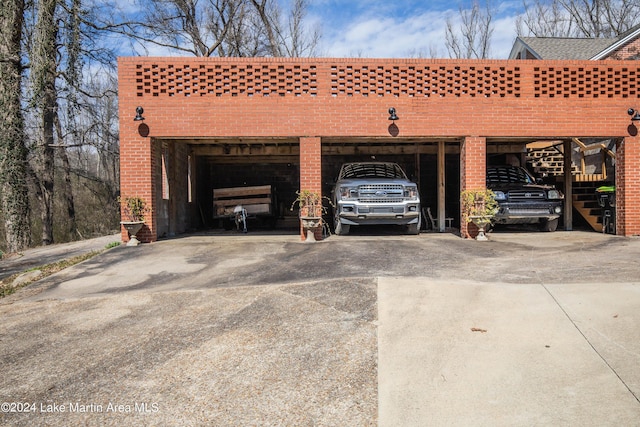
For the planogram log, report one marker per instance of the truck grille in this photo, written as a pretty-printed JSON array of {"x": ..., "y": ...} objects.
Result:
[
  {"x": 387, "y": 200},
  {"x": 528, "y": 211},
  {"x": 381, "y": 209},
  {"x": 381, "y": 193},
  {"x": 526, "y": 195}
]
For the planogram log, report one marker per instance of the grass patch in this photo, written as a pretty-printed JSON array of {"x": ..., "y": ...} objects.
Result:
[
  {"x": 112, "y": 245},
  {"x": 6, "y": 287}
]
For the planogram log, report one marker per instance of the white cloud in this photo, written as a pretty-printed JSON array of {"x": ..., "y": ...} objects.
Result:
[
  {"x": 380, "y": 35},
  {"x": 389, "y": 37},
  {"x": 504, "y": 35}
]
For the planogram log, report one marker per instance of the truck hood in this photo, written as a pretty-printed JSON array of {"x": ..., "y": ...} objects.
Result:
[
  {"x": 366, "y": 181},
  {"x": 505, "y": 187}
]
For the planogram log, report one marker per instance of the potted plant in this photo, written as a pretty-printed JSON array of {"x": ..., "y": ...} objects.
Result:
[
  {"x": 479, "y": 207},
  {"x": 133, "y": 210},
  {"x": 310, "y": 211}
]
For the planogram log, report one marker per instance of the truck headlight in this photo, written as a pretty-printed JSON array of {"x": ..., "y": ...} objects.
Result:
[
  {"x": 499, "y": 195},
  {"x": 555, "y": 195},
  {"x": 348, "y": 192},
  {"x": 411, "y": 192}
]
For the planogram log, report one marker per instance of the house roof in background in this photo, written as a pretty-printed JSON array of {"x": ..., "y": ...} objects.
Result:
[
  {"x": 573, "y": 48},
  {"x": 565, "y": 48}
]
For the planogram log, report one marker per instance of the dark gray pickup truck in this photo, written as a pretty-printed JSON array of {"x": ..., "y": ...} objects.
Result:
[
  {"x": 375, "y": 193},
  {"x": 522, "y": 199}
]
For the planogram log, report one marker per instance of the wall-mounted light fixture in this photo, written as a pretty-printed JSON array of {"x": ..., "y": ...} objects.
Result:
[
  {"x": 635, "y": 114},
  {"x": 392, "y": 114},
  {"x": 138, "y": 117}
]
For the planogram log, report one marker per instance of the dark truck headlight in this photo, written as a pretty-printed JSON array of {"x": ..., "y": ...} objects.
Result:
[
  {"x": 499, "y": 195},
  {"x": 555, "y": 195}
]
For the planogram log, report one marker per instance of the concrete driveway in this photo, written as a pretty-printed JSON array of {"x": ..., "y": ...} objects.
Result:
[{"x": 391, "y": 330}]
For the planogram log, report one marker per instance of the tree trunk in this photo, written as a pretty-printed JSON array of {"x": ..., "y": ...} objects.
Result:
[
  {"x": 14, "y": 195},
  {"x": 269, "y": 26},
  {"x": 43, "y": 60},
  {"x": 72, "y": 227}
]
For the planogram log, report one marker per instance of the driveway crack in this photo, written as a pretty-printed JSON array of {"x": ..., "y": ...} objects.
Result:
[{"x": 575, "y": 325}]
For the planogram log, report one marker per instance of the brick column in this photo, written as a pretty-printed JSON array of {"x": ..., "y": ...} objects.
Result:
[
  {"x": 311, "y": 170},
  {"x": 137, "y": 161},
  {"x": 137, "y": 155},
  {"x": 473, "y": 170},
  {"x": 628, "y": 186}
]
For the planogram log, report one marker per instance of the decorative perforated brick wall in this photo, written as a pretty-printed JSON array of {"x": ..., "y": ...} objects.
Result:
[
  {"x": 279, "y": 98},
  {"x": 427, "y": 81},
  {"x": 180, "y": 79},
  {"x": 591, "y": 82}
]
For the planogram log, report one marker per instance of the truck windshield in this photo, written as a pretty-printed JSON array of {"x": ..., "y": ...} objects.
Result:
[
  {"x": 508, "y": 175},
  {"x": 372, "y": 170}
]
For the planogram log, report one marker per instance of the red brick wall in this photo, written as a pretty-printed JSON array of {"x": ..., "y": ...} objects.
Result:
[
  {"x": 311, "y": 169},
  {"x": 136, "y": 178},
  {"x": 629, "y": 51},
  {"x": 327, "y": 97},
  {"x": 473, "y": 169},
  {"x": 350, "y": 97},
  {"x": 628, "y": 186}
]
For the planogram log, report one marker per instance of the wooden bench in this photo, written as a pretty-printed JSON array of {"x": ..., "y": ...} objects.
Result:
[{"x": 256, "y": 200}]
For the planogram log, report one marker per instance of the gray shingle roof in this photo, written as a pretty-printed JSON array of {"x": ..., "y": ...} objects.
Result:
[{"x": 567, "y": 48}]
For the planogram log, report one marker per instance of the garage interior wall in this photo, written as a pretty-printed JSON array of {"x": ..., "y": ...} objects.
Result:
[
  {"x": 172, "y": 189},
  {"x": 283, "y": 174}
]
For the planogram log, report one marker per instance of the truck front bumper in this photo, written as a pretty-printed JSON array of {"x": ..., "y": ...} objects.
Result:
[
  {"x": 527, "y": 213},
  {"x": 358, "y": 213}
]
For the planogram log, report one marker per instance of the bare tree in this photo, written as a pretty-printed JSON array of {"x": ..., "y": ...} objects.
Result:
[
  {"x": 97, "y": 151},
  {"x": 579, "y": 18},
  {"x": 72, "y": 31},
  {"x": 60, "y": 36},
  {"x": 197, "y": 27},
  {"x": 473, "y": 39},
  {"x": 543, "y": 19},
  {"x": 269, "y": 14},
  {"x": 69, "y": 202},
  {"x": 43, "y": 84},
  {"x": 221, "y": 27},
  {"x": 14, "y": 195},
  {"x": 297, "y": 41}
]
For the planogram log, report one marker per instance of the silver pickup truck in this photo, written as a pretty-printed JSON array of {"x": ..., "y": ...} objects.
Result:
[{"x": 375, "y": 193}]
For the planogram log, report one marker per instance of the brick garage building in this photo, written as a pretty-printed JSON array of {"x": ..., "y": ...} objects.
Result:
[{"x": 296, "y": 116}]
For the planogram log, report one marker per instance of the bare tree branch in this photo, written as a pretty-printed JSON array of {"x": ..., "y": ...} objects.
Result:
[
  {"x": 579, "y": 18},
  {"x": 473, "y": 39}
]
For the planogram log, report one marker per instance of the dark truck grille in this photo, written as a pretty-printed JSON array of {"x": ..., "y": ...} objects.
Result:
[
  {"x": 524, "y": 195},
  {"x": 381, "y": 193},
  {"x": 529, "y": 211}
]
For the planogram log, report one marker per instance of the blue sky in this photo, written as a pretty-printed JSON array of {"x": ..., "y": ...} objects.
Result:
[
  {"x": 389, "y": 29},
  {"x": 378, "y": 28}
]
